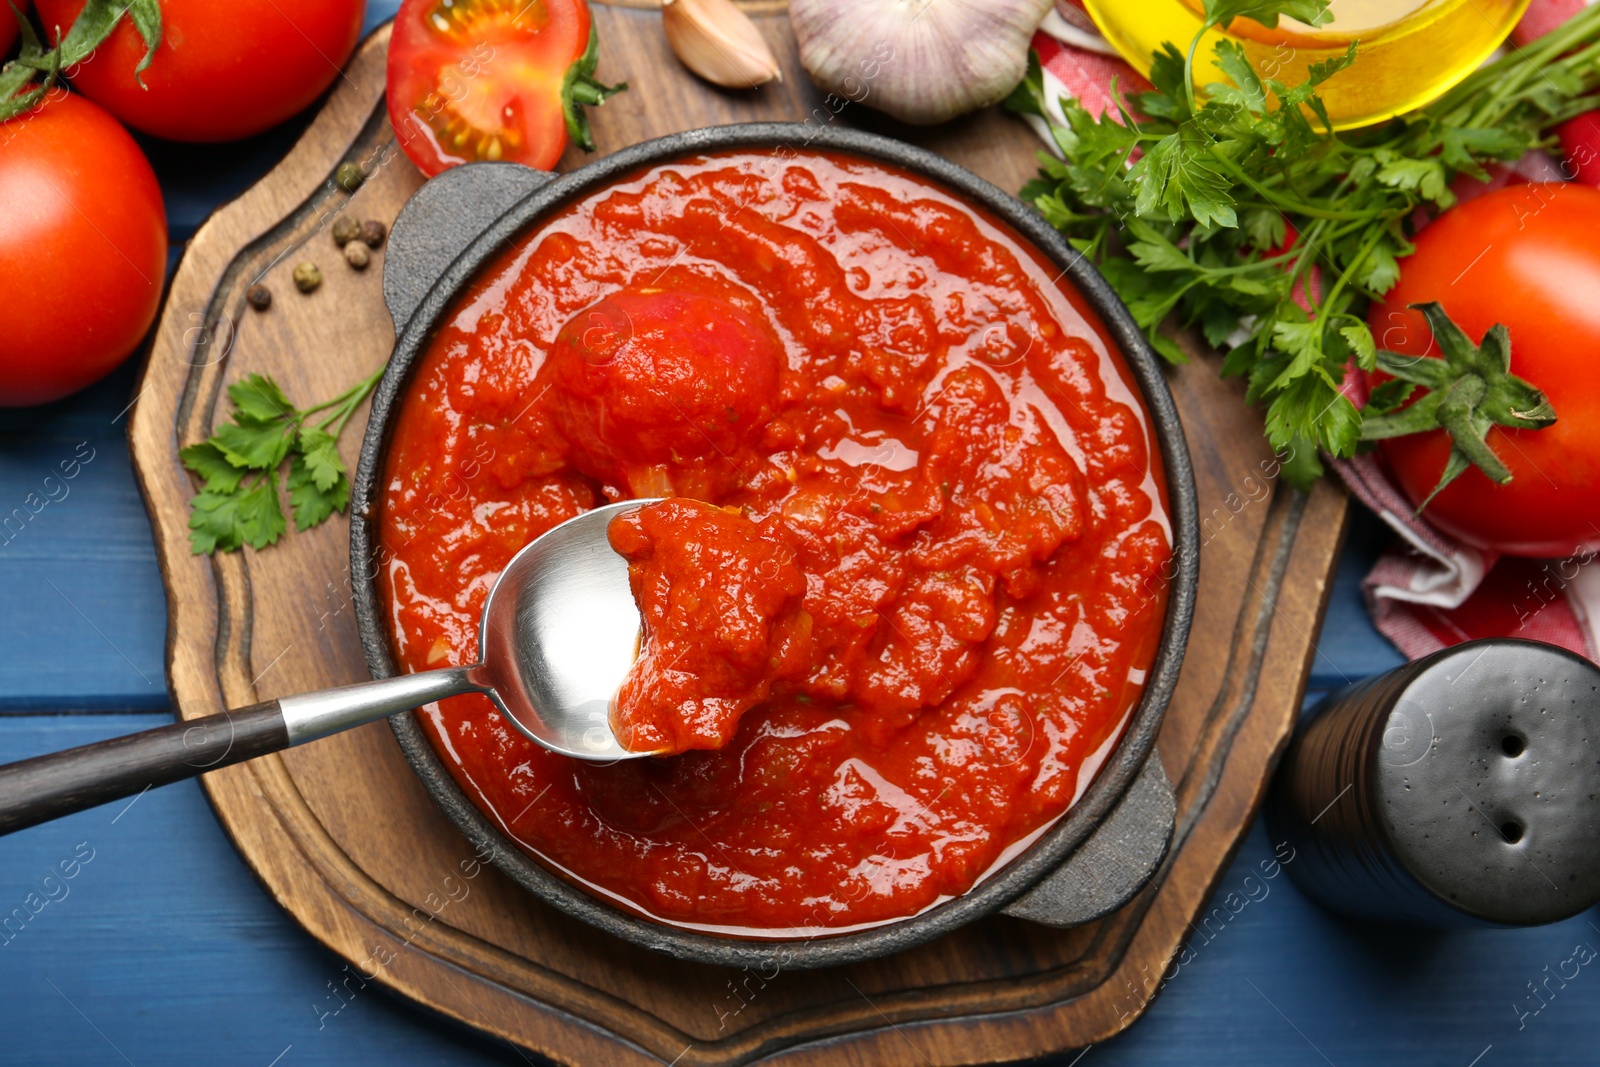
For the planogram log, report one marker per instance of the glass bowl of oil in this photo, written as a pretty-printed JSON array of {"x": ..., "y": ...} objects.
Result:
[{"x": 1409, "y": 53}]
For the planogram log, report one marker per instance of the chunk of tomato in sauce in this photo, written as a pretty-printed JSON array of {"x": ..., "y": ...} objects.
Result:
[
  {"x": 655, "y": 390},
  {"x": 720, "y": 597}
]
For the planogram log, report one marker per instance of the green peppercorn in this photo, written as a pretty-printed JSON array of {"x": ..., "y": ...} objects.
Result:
[
  {"x": 345, "y": 230},
  {"x": 349, "y": 176},
  {"x": 307, "y": 277}
]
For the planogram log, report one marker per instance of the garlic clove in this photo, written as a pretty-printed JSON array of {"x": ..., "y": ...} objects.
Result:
[
  {"x": 922, "y": 61},
  {"x": 717, "y": 41}
]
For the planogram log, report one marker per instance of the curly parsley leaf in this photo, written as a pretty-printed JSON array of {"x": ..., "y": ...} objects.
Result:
[
  {"x": 1180, "y": 176},
  {"x": 239, "y": 465},
  {"x": 1359, "y": 338},
  {"x": 312, "y": 501},
  {"x": 319, "y": 450},
  {"x": 208, "y": 461},
  {"x": 214, "y": 524},
  {"x": 253, "y": 445},
  {"x": 259, "y": 514},
  {"x": 250, "y": 515},
  {"x": 257, "y": 399}
]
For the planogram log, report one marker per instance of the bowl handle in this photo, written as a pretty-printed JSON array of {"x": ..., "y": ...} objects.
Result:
[
  {"x": 438, "y": 223},
  {"x": 1115, "y": 862}
]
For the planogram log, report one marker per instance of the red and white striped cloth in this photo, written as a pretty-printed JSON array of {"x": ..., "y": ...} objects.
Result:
[{"x": 1428, "y": 591}]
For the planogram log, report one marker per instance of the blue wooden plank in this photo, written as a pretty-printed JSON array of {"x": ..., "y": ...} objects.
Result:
[
  {"x": 1274, "y": 979},
  {"x": 162, "y": 948},
  {"x": 82, "y": 612},
  {"x": 1348, "y": 648},
  {"x": 164, "y": 926}
]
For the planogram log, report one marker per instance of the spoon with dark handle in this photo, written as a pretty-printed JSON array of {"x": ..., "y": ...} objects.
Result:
[{"x": 559, "y": 632}]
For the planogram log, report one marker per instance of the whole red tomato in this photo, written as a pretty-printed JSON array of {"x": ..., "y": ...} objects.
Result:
[
  {"x": 1527, "y": 256},
  {"x": 223, "y": 71},
  {"x": 83, "y": 248}
]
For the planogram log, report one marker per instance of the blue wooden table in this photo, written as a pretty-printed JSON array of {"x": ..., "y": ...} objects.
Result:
[{"x": 143, "y": 939}]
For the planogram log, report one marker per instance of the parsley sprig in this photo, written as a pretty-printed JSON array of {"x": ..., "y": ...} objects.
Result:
[
  {"x": 240, "y": 465},
  {"x": 1186, "y": 204}
]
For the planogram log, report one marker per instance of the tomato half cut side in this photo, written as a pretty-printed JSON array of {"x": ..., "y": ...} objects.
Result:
[{"x": 484, "y": 79}]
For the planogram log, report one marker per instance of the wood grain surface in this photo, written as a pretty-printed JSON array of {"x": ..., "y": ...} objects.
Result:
[{"x": 344, "y": 837}]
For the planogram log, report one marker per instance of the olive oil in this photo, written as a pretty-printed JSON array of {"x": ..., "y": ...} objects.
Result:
[{"x": 1409, "y": 51}]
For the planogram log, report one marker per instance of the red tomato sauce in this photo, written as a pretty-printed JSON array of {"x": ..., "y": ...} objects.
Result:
[
  {"x": 721, "y": 598},
  {"x": 897, "y": 388}
]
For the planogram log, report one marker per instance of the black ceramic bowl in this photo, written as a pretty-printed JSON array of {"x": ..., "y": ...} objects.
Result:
[{"x": 462, "y": 219}]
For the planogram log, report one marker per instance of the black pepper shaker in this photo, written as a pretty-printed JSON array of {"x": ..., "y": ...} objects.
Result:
[{"x": 1462, "y": 789}]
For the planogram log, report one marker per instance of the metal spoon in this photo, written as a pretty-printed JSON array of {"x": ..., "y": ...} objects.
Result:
[{"x": 559, "y": 632}]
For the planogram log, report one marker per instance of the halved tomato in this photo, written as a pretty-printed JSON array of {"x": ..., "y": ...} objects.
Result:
[{"x": 492, "y": 80}]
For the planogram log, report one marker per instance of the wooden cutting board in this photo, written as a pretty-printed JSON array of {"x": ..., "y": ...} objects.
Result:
[{"x": 341, "y": 832}]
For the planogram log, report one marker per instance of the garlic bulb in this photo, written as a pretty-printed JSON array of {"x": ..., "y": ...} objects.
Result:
[
  {"x": 922, "y": 61},
  {"x": 717, "y": 41}
]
